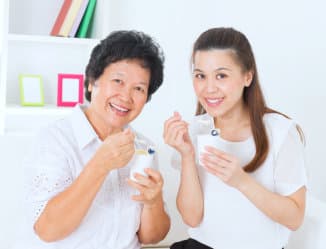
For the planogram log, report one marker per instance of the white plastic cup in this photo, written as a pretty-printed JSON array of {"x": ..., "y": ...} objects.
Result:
[
  {"x": 139, "y": 163},
  {"x": 205, "y": 140}
]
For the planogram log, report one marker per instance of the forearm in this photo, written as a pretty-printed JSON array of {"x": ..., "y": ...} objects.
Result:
[
  {"x": 155, "y": 223},
  {"x": 286, "y": 210},
  {"x": 190, "y": 198},
  {"x": 64, "y": 212}
]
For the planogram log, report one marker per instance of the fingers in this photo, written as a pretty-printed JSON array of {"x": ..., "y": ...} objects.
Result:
[
  {"x": 154, "y": 175},
  {"x": 121, "y": 138},
  {"x": 152, "y": 180},
  {"x": 175, "y": 134},
  {"x": 136, "y": 185},
  {"x": 214, "y": 160},
  {"x": 169, "y": 122},
  {"x": 219, "y": 153},
  {"x": 149, "y": 187},
  {"x": 217, "y": 171},
  {"x": 126, "y": 149}
]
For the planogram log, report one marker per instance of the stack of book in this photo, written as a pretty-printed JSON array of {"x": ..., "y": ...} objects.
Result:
[{"x": 74, "y": 18}]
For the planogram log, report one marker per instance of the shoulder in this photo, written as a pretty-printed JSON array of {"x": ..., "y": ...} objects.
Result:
[
  {"x": 277, "y": 122},
  {"x": 278, "y": 128},
  {"x": 54, "y": 133}
]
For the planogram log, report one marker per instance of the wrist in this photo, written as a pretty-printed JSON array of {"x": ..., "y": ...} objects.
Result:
[
  {"x": 188, "y": 158},
  {"x": 157, "y": 202},
  {"x": 244, "y": 185},
  {"x": 98, "y": 168}
]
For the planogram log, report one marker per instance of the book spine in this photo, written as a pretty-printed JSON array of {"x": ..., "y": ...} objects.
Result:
[
  {"x": 60, "y": 18},
  {"x": 78, "y": 19},
  {"x": 70, "y": 18},
  {"x": 84, "y": 26}
]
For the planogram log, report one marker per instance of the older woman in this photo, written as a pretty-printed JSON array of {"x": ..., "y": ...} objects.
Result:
[{"x": 78, "y": 195}]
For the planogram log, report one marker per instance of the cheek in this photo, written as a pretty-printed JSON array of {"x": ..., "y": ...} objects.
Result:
[
  {"x": 198, "y": 88},
  {"x": 140, "y": 101}
]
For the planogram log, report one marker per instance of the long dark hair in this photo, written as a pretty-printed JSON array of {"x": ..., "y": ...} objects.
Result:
[{"x": 229, "y": 38}]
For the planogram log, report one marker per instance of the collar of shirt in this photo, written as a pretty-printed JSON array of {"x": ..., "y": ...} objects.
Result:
[{"x": 83, "y": 130}]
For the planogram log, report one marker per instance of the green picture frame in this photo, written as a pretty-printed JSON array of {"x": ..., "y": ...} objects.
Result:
[{"x": 31, "y": 90}]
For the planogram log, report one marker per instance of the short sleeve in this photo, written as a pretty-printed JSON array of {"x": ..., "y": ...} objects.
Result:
[
  {"x": 46, "y": 173},
  {"x": 290, "y": 172}
]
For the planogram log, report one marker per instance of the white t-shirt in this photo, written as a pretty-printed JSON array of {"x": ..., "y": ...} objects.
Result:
[
  {"x": 230, "y": 220},
  {"x": 60, "y": 153}
]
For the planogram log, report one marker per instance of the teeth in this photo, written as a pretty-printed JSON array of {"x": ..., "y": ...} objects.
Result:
[
  {"x": 119, "y": 108},
  {"x": 213, "y": 101}
]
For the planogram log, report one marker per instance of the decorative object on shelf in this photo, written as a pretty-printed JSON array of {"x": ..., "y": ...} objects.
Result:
[
  {"x": 78, "y": 18},
  {"x": 70, "y": 89},
  {"x": 84, "y": 26},
  {"x": 31, "y": 90},
  {"x": 70, "y": 18},
  {"x": 61, "y": 17}
]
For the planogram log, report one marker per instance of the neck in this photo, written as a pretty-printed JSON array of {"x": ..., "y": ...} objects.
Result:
[{"x": 235, "y": 125}]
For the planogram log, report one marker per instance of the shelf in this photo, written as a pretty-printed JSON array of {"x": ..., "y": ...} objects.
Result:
[
  {"x": 49, "y": 110},
  {"x": 26, "y": 47},
  {"x": 51, "y": 39},
  {"x": 25, "y": 120}
]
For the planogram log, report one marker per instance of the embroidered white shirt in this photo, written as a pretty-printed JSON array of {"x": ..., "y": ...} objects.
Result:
[
  {"x": 230, "y": 220},
  {"x": 61, "y": 151}
]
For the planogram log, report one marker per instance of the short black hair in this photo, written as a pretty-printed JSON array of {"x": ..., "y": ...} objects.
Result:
[{"x": 122, "y": 45}]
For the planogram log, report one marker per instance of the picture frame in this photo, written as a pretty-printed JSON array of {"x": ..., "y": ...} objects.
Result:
[
  {"x": 70, "y": 89},
  {"x": 31, "y": 90}
]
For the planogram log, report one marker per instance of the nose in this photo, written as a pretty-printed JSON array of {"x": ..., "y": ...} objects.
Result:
[
  {"x": 211, "y": 85},
  {"x": 126, "y": 94}
]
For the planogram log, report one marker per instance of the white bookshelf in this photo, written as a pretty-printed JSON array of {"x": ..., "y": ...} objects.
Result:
[{"x": 27, "y": 48}]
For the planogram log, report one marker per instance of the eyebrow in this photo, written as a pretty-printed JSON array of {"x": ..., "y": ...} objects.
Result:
[
  {"x": 141, "y": 82},
  {"x": 217, "y": 69}
]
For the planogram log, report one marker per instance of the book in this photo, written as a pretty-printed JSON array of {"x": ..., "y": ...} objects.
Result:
[
  {"x": 78, "y": 19},
  {"x": 60, "y": 18},
  {"x": 85, "y": 23},
  {"x": 70, "y": 18}
]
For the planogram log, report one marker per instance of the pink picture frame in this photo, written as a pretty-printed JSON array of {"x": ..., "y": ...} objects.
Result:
[{"x": 70, "y": 89}]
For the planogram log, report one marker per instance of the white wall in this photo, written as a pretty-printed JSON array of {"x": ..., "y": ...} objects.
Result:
[{"x": 288, "y": 38}]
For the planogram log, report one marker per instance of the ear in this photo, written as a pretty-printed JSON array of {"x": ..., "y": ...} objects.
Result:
[
  {"x": 248, "y": 78},
  {"x": 90, "y": 87}
]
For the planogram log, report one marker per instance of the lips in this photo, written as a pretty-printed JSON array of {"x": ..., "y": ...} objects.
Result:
[
  {"x": 120, "y": 110},
  {"x": 214, "y": 101}
]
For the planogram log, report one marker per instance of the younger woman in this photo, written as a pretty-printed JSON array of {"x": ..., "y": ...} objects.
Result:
[{"x": 249, "y": 190}]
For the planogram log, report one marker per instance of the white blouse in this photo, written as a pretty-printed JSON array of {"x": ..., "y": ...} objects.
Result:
[
  {"x": 60, "y": 153},
  {"x": 230, "y": 220}
]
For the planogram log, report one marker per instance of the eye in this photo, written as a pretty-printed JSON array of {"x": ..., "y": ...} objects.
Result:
[
  {"x": 140, "y": 89},
  {"x": 118, "y": 81},
  {"x": 199, "y": 76},
  {"x": 221, "y": 76}
]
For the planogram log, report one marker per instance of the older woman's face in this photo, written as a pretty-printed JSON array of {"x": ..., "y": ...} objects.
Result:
[{"x": 119, "y": 94}]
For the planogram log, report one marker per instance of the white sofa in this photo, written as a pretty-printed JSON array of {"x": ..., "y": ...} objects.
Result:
[{"x": 312, "y": 234}]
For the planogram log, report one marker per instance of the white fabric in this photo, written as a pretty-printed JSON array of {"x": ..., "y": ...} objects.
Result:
[
  {"x": 60, "y": 153},
  {"x": 230, "y": 220}
]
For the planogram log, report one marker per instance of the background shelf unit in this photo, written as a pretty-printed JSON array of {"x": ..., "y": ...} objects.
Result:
[{"x": 27, "y": 48}]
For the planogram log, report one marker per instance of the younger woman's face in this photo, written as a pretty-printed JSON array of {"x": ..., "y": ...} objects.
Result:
[{"x": 219, "y": 82}]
